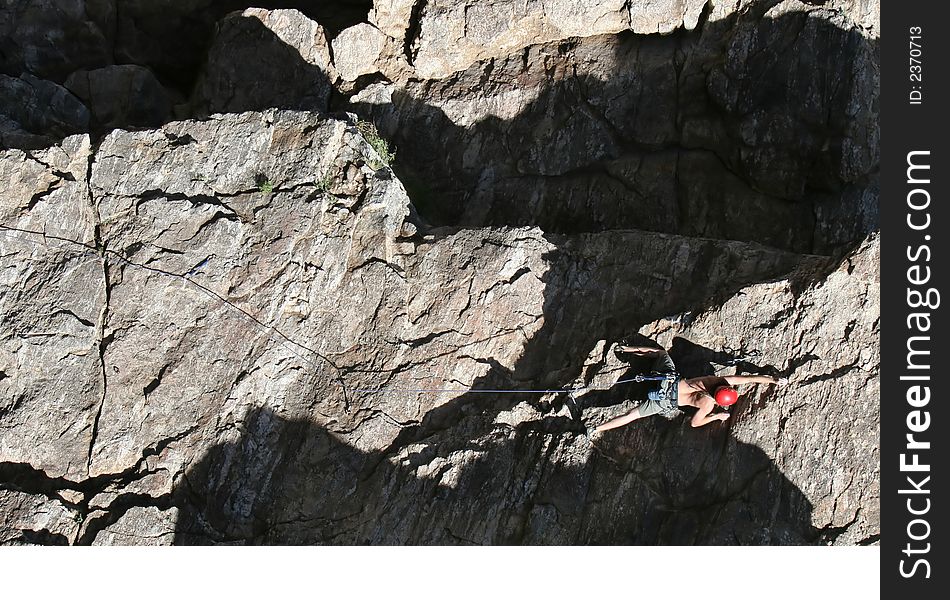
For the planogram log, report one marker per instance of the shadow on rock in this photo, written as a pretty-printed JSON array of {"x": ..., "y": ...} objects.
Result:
[
  {"x": 463, "y": 474},
  {"x": 735, "y": 130},
  {"x": 292, "y": 482},
  {"x": 691, "y": 360},
  {"x": 751, "y": 128},
  {"x": 140, "y": 65},
  {"x": 694, "y": 360},
  {"x": 587, "y": 300}
]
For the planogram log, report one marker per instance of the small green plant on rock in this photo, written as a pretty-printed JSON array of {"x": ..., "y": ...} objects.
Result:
[
  {"x": 380, "y": 145},
  {"x": 264, "y": 185},
  {"x": 324, "y": 183}
]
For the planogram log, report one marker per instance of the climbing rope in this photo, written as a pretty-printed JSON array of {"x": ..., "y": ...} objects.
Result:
[{"x": 572, "y": 391}]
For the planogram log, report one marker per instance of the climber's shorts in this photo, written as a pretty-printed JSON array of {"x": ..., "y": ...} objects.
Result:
[{"x": 661, "y": 399}]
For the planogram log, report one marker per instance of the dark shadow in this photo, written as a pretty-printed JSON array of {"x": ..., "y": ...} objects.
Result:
[
  {"x": 170, "y": 38},
  {"x": 291, "y": 482},
  {"x": 579, "y": 310},
  {"x": 171, "y": 47},
  {"x": 611, "y": 396},
  {"x": 617, "y": 394},
  {"x": 333, "y": 15},
  {"x": 693, "y": 360},
  {"x": 43, "y": 537},
  {"x": 251, "y": 68}
]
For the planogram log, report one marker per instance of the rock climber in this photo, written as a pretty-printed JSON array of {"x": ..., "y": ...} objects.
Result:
[{"x": 703, "y": 393}]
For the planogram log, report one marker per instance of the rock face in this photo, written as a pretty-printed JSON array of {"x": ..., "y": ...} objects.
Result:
[
  {"x": 121, "y": 95},
  {"x": 753, "y": 122},
  {"x": 52, "y": 337},
  {"x": 816, "y": 331},
  {"x": 261, "y": 59},
  {"x": 51, "y": 39},
  {"x": 731, "y": 130},
  {"x": 31, "y": 105},
  {"x": 797, "y": 445},
  {"x": 441, "y": 37},
  {"x": 243, "y": 327},
  {"x": 240, "y": 311}
]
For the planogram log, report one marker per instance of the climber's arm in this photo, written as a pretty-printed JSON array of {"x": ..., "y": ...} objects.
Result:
[{"x": 703, "y": 416}]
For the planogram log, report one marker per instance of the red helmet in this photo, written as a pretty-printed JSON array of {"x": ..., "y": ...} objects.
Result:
[{"x": 726, "y": 396}]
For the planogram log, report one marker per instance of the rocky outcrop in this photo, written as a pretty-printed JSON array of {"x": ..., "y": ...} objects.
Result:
[
  {"x": 441, "y": 37},
  {"x": 262, "y": 59},
  {"x": 51, "y": 39},
  {"x": 686, "y": 117},
  {"x": 731, "y": 130},
  {"x": 170, "y": 40},
  {"x": 236, "y": 319},
  {"x": 34, "y": 112},
  {"x": 121, "y": 96}
]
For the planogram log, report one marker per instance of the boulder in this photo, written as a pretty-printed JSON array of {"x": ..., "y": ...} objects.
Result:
[
  {"x": 39, "y": 107},
  {"x": 265, "y": 59},
  {"x": 445, "y": 36},
  {"x": 356, "y": 50},
  {"x": 121, "y": 96},
  {"x": 51, "y": 39}
]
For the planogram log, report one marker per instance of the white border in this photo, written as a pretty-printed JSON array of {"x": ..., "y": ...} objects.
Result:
[{"x": 711, "y": 573}]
